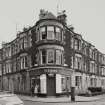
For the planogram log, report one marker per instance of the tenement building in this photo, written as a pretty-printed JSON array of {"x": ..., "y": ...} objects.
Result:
[{"x": 52, "y": 58}]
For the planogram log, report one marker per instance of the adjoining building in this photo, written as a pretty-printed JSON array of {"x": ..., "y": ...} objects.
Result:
[{"x": 51, "y": 56}]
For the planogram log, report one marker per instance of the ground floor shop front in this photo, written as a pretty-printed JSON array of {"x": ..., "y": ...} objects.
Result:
[
  {"x": 50, "y": 81},
  {"x": 46, "y": 81}
]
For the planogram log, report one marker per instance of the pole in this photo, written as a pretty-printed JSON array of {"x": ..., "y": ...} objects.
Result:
[
  {"x": 73, "y": 94},
  {"x": 73, "y": 87}
]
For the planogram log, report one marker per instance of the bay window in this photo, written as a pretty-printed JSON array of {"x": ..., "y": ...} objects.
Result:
[
  {"x": 49, "y": 33},
  {"x": 51, "y": 56}
]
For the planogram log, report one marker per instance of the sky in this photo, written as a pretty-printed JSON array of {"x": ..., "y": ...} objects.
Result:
[{"x": 86, "y": 16}]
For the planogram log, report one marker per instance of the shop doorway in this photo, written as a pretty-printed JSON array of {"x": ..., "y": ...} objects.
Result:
[
  {"x": 36, "y": 81},
  {"x": 51, "y": 87}
]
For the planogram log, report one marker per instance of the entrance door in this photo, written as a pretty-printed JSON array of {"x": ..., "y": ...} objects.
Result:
[
  {"x": 51, "y": 90},
  {"x": 35, "y": 81}
]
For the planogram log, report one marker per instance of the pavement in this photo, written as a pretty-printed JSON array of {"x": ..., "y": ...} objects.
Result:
[{"x": 61, "y": 99}]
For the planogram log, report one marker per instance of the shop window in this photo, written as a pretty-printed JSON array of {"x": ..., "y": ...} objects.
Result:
[
  {"x": 63, "y": 83},
  {"x": 68, "y": 83},
  {"x": 35, "y": 82},
  {"x": 50, "y": 32},
  {"x": 50, "y": 54}
]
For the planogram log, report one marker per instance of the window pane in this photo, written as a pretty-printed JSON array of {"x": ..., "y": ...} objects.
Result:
[
  {"x": 63, "y": 82},
  {"x": 44, "y": 56},
  {"x": 57, "y": 29},
  {"x": 76, "y": 44},
  {"x": 25, "y": 42},
  {"x": 50, "y": 28},
  {"x": 26, "y": 61},
  {"x": 58, "y": 57},
  {"x": 42, "y": 29},
  {"x": 68, "y": 83},
  {"x": 50, "y": 32},
  {"x": 50, "y": 56},
  {"x": 58, "y": 34},
  {"x": 43, "y": 34},
  {"x": 78, "y": 81},
  {"x": 50, "y": 35}
]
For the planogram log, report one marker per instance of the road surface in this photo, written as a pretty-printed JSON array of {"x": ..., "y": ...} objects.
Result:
[{"x": 98, "y": 102}]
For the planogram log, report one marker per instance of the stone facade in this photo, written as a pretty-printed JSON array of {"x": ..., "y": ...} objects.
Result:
[{"x": 51, "y": 57}]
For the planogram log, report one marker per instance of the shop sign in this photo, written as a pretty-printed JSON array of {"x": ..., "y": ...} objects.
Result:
[
  {"x": 50, "y": 71},
  {"x": 51, "y": 75}
]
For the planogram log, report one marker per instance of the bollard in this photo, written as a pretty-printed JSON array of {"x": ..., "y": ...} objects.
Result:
[{"x": 73, "y": 94}]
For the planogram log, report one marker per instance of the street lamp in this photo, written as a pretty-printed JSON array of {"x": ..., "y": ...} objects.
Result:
[{"x": 73, "y": 87}]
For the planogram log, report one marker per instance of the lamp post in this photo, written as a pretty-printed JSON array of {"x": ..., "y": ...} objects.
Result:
[{"x": 73, "y": 87}]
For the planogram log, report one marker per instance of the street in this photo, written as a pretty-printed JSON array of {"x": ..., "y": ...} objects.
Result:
[{"x": 98, "y": 102}]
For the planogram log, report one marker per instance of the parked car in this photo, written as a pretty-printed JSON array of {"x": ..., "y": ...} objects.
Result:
[{"x": 7, "y": 98}]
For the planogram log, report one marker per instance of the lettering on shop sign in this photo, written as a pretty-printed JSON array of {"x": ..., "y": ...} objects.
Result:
[{"x": 50, "y": 71}]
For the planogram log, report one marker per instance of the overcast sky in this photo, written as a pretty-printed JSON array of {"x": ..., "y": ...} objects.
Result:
[{"x": 87, "y": 17}]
